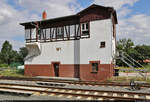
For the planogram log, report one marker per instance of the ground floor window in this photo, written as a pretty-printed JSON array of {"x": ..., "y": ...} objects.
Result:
[{"x": 94, "y": 66}]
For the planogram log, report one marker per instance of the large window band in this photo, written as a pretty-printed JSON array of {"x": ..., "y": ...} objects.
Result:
[{"x": 68, "y": 32}]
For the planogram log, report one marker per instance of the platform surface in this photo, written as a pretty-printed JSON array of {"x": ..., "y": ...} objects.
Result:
[{"x": 58, "y": 78}]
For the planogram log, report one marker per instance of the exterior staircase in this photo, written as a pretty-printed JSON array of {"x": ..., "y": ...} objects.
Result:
[{"x": 132, "y": 63}]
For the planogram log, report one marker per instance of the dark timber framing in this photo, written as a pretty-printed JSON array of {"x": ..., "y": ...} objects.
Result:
[{"x": 68, "y": 27}]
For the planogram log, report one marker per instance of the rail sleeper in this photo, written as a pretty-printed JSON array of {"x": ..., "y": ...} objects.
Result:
[
  {"x": 147, "y": 96},
  {"x": 89, "y": 98},
  {"x": 78, "y": 92},
  {"x": 60, "y": 95},
  {"x": 95, "y": 93},
  {"x": 105, "y": 94},
  {"x": 136, "y": 96},
  {"x": 70, "y": 96},
  {"x": 70, "y": 91},
  {"x": 115, "y": 94},
  {"x": 125, "y": 95},
  {"x": 79, "y": 97},
  {"x": 100, "y": 99},
  {"x": 52, "y": 94},
  {"x": 87, "y": 92}
]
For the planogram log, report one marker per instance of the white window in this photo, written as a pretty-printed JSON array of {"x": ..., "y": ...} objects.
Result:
[
  {"x": 60, "y": 32},
  {"x": 85, "y": 28},
  {"x": 27, "y": 33},
  {"x": 33, "y": 33}
]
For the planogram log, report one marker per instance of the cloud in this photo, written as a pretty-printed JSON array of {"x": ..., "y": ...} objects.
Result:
[
  {"x": 16, "y": 44},
  {"x": 54, "y": 8},
  {"x": 117, "y": 4},
  {"x": 134, "y": 26},
  {"x": 123, "y": 12}
]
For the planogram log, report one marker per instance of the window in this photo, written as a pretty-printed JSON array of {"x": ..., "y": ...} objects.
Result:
[
  {"x": 33, "y": 33},
  {"x": 102, "y": 44},
  {"x": 47, "y": 33},
  {"x": 87, "y": 26},
  {"x": 94, "y": 67},
  {"x": 82, "y": 26},
  {"x": 27, "y": 33},
  {"x": 60, "y": 32},
  {"x": 85, "y": 29},
  {"x": 43, "y": 34}
]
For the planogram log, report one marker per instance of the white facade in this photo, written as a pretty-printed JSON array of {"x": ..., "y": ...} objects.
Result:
[{"x": 80, "y": 51}]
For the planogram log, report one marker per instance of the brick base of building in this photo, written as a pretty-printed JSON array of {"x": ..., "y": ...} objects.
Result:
[{"x": 82, "y": 71}]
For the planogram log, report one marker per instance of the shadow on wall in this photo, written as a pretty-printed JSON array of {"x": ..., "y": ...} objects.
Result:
[
  {"x": 76, "y": 58},
  {"x": 32, "y": 52}
]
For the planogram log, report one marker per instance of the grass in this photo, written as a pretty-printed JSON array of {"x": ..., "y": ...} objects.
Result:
[
  {"x": 12, "y": 72},
  {"x": 129, "y": 70},
  {"x": 4, "y": 66},
  {"x": 127, "y": 79}
]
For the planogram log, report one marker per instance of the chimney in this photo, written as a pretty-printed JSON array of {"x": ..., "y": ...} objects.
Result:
[{"x": 44, "y": 15}]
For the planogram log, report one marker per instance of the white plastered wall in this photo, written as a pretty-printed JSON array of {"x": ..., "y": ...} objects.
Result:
[
  {"x": 79, "y": 51},
  {"x": 100, "y": 30}
]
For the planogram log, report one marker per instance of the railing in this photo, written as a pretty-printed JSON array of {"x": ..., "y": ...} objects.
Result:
[{"x": 132, "y": 63}]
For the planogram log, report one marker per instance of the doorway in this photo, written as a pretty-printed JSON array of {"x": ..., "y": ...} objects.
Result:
[{"x": 56, "y": 69}]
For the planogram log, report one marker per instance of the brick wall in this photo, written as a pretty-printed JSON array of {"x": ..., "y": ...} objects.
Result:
[{"x": 66, "y": 70}]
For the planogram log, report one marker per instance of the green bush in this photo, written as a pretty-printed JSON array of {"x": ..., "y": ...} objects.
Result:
[{"x": 14, "y": 65}]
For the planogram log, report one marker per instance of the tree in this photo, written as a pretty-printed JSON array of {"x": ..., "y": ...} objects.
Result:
[
  {"x": 23, "y": 52},
  {"x": 10, "y": 56},
  {"x": 143, "y": 52},
  {"x": 6, "y": 52},
  {"x": 127, "y": 46}
]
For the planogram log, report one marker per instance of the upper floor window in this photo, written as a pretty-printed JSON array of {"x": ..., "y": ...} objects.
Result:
[
  {"x": 85, "y": 28},
  {"x": 27, "y": 34},
  {"x": 60, "y": 32},
  {"x": 102, "y": 44}
]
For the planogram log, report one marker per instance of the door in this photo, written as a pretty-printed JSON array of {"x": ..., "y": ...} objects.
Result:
[
  {"x": 56, "y": 69},
  {"x": 77, "y": 71}
]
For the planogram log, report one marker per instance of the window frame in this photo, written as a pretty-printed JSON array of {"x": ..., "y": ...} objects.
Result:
[
  {"x": 102, "y": 45},
  {"x": 91, "y": 66},
  {"x": 85, "y": 28},
  {"x": 60, "y": 33}
]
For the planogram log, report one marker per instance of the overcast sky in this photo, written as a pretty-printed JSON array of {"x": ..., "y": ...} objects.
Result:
[{"x": 133, "y": 16}]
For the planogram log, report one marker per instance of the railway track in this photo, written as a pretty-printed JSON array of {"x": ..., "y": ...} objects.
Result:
[
  {"x": 88, "y": 94},
  {"x": 89, "y": 83}
]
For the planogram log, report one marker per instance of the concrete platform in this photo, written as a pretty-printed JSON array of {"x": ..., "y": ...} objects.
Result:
[{"x": 58, "y": 78}]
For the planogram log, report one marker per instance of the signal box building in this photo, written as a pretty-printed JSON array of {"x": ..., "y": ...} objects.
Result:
[{"x": 78, "y": 46}]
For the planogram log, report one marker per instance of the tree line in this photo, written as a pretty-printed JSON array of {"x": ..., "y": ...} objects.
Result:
[
  {"x": 137, "y": 52},
  {"x": 9, "y": 56}
]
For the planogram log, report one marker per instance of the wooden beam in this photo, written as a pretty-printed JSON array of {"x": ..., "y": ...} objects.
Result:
[
  {"x": 50, "y": 32},
  {"x": 30, "y": 35},
  {"x": 69, "y": 32}
]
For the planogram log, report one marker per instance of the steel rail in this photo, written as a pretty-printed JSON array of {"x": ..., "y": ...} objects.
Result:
[
  {"x": 146, "y": 85},
  {"x": 76, "y": 90}
]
